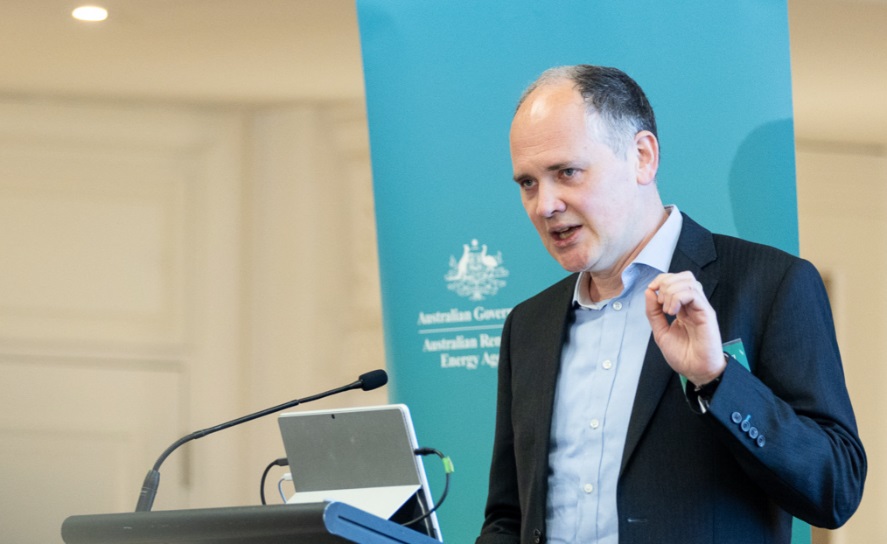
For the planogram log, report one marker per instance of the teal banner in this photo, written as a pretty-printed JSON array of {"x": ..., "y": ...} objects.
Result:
[{"x": 457, "y": 251}]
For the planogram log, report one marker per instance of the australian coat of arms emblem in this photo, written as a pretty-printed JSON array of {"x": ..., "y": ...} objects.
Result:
[{"x": 476, "y": 274}]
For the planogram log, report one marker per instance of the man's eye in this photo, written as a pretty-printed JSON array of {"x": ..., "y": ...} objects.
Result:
[
  {"x": 526, "y": 183},
  {"x": 568, "y": 172}
]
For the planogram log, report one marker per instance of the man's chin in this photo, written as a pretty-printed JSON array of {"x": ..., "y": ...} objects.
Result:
[
  {"x": 570, "y": 258},
  {"x": 572, "y": 265}
]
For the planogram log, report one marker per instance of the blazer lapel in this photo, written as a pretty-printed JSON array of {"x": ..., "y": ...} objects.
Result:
[
  {"x": 695, "y": 252},
  {"x": 555, "y": 315}
]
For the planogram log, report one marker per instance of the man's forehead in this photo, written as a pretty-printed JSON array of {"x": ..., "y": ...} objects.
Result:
[
  {"x": 559, "y": 115},
  {"x": 551, "y": 99}
]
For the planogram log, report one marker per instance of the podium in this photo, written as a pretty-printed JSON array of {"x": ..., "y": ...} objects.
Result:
[{"x": 315, "y": 523}]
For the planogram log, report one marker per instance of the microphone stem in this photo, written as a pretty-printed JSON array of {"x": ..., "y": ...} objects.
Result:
[
  {"x": 152, "y": 480},
  {"x": 222, "y": 426}
]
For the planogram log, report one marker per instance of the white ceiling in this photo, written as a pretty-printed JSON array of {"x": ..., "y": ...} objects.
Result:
[
  {"x": 274, "y": 51},
  {"x": 256, "y": 51}
]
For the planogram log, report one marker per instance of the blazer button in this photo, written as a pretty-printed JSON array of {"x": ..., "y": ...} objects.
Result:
[
  {"x": 753, "y": 433},
  {"x": 761, "y": 441},
  {"x": 736, "y": 417},
  {"x": 537, "y": 536}
]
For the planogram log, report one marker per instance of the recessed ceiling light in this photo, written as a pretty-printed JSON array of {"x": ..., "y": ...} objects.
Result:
[{"x": 90, "y": 13}]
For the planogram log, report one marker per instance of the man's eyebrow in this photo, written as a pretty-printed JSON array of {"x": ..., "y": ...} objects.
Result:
[
  {"x": 551, "y": 168},
  {"x": 559, "y": 166}
]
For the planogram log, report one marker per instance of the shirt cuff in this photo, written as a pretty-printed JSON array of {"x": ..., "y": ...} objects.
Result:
[{"x": 701, "y": 395}]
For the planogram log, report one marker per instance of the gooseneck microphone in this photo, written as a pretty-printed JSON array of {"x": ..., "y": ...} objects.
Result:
[{"x": 367, "y": 381}]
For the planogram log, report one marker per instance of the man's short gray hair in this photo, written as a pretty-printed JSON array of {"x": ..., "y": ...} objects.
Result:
[{"x": 612, "y": 94}]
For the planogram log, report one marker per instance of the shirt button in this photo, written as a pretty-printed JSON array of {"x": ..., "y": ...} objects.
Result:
[
  {"x": 595, "y": 424},
  {"x": 607, "y": 365},
  {"x": 588, "y": 488},
  {"x": 617, "y": 305}
]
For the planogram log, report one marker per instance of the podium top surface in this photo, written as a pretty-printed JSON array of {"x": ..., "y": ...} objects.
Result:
[
  {"x": 247, "y": 524},
  {"x": 316, "y": 523}
]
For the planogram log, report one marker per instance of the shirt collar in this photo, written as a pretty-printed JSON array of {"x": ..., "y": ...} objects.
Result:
[{"x": 656, "y": 254}]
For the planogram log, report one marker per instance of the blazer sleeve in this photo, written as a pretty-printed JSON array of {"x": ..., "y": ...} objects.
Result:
[{"x": 789, "y": 422}]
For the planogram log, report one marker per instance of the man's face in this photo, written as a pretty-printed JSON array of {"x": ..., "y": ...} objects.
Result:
[{"x": 582, "y": 198}]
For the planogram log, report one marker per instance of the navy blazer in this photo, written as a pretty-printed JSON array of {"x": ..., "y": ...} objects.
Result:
[{"x": 689, "y": 477}]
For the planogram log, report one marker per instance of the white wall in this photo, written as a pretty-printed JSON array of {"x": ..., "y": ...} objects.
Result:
[
  {"x": 312, "y": 291},
  {"x": 165, "y": 269},
  {"x": 842, "y": 204}
]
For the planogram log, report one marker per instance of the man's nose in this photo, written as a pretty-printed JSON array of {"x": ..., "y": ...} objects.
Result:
[{"x": 548, "y": 200}]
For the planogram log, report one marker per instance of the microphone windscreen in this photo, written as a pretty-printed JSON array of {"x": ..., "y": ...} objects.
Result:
[{"x": 373, "y": 379}]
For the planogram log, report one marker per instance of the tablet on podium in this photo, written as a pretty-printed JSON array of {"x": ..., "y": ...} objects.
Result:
[{"x": 359, "y": 456}]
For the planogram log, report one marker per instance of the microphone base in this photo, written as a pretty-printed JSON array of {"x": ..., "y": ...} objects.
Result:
[{"x": 149, "y": 491}]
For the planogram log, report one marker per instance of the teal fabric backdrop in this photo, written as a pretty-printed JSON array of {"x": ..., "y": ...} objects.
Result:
[{"x": 455, "y": 247}]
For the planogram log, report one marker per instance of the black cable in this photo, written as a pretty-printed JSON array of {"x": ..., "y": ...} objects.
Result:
[
  {"x": 448, "y": 469},
  {"x": 282, "y": 462}
]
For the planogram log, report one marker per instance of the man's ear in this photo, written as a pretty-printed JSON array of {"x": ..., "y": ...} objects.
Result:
[{"x": 647, "y": 148}]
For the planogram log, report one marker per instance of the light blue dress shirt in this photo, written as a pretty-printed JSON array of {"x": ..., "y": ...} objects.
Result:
[{"x": 600, "y": 367}]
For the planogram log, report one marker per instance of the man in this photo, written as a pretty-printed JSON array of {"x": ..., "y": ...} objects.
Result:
[{"x": 619, "y": 417}]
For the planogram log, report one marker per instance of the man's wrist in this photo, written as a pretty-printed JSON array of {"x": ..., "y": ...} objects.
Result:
[{"x": 702, "y": 381}]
